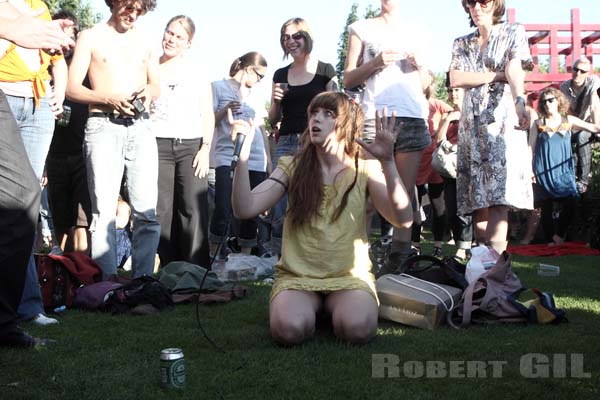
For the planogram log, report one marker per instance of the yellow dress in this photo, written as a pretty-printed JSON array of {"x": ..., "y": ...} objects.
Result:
[{"x": 325, "y": 256}]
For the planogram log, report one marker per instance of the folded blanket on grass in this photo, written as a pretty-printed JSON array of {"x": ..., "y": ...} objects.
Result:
[{"x": 568, "y": 248}]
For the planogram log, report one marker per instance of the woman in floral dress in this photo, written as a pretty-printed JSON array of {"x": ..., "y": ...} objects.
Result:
[{"x": 494, "y": 168}]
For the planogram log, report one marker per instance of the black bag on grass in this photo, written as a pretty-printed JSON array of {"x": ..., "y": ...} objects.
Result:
[
  {"x": 142, "y": 290},
  {"x": 447, "y": 271}
]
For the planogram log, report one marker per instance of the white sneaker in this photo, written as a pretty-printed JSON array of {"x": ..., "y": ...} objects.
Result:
[{"x": 42, "y": 320}]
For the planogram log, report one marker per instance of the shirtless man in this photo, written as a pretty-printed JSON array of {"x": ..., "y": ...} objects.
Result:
[{"x": 118, "y": 61}]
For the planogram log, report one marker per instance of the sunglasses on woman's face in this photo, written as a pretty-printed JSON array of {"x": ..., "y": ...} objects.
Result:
[
  {"x": 548, "y": 100},
  {"x": 482, "y": 3},
  {"x": 295, "y": 36}
]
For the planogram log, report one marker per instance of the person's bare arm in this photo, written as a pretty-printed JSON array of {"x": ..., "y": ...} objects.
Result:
[
  {"x": 355, "y": 75},
  {"x": 153, "y": 78},
  {"x": 515, "y": 75},
  {"x": 60, "y": 75},
  {"x": 31, "y": 32},
  {"x": 275, "y": 108},
  {"x": 202, "y": 158},
  {"x": 580, "y": 125},
  {"x": 469, "y": 80},
  {"x": 386, "y": 189},
  {"x": 442, "y": 130},
  {"x": 533, "y": 132},
  {"x": 333, "y": 85},
  {"x": 247, "y": 203}
]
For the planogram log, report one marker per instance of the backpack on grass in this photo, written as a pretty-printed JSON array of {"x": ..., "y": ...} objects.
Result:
[
  {"x": 141, "y": 290},
  {"x": 59, "y": 276}
]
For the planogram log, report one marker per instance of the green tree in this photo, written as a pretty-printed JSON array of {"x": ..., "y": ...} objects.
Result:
[
  {"x": 343, "y": 44},
  {"x": 81, "y": 8},
  {"x": 441, "y": 92},
  {"x": 370, "y": 12}
]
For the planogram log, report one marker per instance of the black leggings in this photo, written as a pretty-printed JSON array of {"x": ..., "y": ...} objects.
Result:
[
  {"x": 568, "y": 205},
  {"x": 461, "y": 225},
  {"x": 435, "y": 191}
]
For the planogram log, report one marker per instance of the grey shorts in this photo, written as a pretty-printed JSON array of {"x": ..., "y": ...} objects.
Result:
[{"x": 413, "y": 134}]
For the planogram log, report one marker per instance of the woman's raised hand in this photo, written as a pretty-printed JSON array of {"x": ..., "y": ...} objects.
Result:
[{"x": 386, "y": 133}]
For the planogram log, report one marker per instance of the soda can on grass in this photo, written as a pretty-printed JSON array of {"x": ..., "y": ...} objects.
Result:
[{"x": 172, "y": 369}]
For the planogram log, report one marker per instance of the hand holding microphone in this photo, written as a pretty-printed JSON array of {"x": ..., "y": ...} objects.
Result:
[{"x": 239, "y": 130}]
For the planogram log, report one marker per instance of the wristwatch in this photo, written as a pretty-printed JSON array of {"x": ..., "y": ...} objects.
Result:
[{"x": 520, "y": 100}]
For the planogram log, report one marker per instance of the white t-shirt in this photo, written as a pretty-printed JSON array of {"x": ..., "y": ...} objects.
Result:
[
  {"x": 398, "y": 86},
  {"x": 252, "y": 108},
  {"x": 176, "y": 114}
]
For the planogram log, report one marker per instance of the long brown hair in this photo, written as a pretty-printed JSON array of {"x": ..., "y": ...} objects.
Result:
[{"x": 306, "y": 183}]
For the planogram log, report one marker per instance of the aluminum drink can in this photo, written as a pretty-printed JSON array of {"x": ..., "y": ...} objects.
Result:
[{"x": 172, "y": 369}]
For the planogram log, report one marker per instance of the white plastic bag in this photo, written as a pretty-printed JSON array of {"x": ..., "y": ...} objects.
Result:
[
  {"x": 242, "y": 267},
  {"x": 482, "y": 259}
]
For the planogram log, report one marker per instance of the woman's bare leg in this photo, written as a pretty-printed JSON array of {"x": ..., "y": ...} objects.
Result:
[
  {"x": 354, "y": 315},
  {"x": 292, "y": 316}
]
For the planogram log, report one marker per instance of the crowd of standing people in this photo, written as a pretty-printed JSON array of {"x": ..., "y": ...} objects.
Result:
[{"x": 147, "y": 130}]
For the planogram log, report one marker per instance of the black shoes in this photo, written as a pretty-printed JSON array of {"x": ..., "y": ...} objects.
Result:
[
  {"x": 17, "y": 338},
  {"x": 394, "y": 263}
]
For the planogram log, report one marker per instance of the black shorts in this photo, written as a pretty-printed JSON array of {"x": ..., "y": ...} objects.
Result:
[
  {"x": 68, "y": 193},
  {"x": 413, "y": 134}
]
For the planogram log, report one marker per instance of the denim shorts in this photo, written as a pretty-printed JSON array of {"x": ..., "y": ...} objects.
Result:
[{"x": 413, "y": 134}]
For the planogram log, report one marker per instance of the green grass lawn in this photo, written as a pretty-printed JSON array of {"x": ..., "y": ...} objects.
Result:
[{"x": 100, "y": 356}]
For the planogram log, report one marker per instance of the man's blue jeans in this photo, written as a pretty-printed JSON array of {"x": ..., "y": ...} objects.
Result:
[
  {"x": 114, "y": 147},
  {"x": 36, "y": 125}
]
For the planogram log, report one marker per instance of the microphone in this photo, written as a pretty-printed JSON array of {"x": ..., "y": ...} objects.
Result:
[{"x": 237, "y": 148}]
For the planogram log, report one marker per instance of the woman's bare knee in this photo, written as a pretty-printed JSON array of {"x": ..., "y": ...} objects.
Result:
[
  {"x": 292, "y": 331},
  {"x": 355, "y": 330}
]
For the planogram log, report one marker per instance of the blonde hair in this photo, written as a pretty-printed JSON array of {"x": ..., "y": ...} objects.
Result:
[{"x": 186, "y": 23}]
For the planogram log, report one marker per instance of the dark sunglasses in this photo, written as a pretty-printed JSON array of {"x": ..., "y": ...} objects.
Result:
[
  {"x": 548, "y": 100},
  {"x": 482, "y": 3},
  {"x": 579, "y": 70},
  {"x": 295, "y": 36}
]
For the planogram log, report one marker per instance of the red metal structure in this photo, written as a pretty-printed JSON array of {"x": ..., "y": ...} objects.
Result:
[{"x": 560, "y": 45}]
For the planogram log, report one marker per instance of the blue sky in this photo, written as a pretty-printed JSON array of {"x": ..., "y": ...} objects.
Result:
[{"x": 227, "y": 29}]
